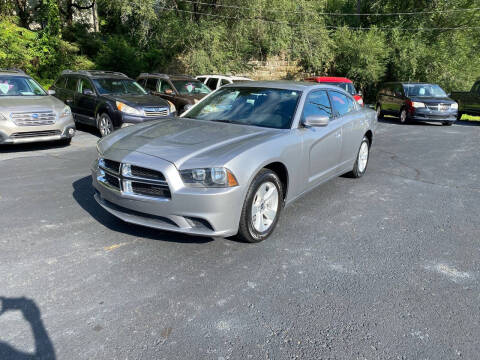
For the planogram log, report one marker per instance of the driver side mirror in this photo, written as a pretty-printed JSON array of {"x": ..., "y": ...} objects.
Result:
[
  {"x": 51, "y": 92},
  {"x": 88, "y": 92},
  {"x": 316, "y": 121}
]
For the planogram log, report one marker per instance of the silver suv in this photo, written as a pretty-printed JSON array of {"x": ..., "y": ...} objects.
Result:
[{"x": 28, "y": 113}]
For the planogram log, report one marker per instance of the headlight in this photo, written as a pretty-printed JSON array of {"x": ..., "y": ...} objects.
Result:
[
  {"x": 454, "y": 106},
  {"x": 209, "y": 177},
  {"x": 66, "y": 112},
  {"x": 172, "y": 107},
  {"x": 128, "y": 109},
  {"x": 417, "y": 105}
]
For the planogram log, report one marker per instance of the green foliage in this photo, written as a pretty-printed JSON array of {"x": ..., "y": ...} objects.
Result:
[{"x": 193, "y": 37}]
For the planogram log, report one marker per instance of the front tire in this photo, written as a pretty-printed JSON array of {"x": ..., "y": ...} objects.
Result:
[
  {"x": 361, "y": 163},
  {"x": 403, "y": 116},
  {"x": 262, "y": 207},
  {"x": 105, "y": 125}
]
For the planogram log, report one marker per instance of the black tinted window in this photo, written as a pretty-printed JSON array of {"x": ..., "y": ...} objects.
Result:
[
  {"x": 141, "y": 82},
  {"x": 341, "y": 103},
  {"x": 202, "y": 79},
  {"x": 224, "y": 82},
  {"x": 317, "y": 104},
  {"x": 71, "y": 83},
  {"x": 151, "y": 84},
  {"x": 212, "y": 83}
]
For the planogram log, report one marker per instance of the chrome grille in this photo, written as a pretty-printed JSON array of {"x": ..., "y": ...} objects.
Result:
[
  {"x": 156, "y": 112},
  {"x": 439, "y": 107},
  {"x": 34, "y": 118},
  {"x": 132, "y": 179},
  {"x": 29, "y": 134}
]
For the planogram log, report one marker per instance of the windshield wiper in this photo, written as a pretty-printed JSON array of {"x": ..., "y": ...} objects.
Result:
[{"x": 225, "y": 121}]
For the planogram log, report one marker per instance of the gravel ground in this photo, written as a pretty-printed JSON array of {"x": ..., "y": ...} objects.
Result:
[{"x": 384, "y": 267}]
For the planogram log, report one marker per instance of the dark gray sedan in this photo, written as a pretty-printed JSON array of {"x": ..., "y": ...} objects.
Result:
[{"x": 231, "y": 163}]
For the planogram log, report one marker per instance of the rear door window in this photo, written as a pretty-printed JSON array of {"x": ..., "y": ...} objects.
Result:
[
  {"x": 71, "y": 83},
  {"x": 224, "y": 82},
  {"x": 151, "y": 84},
  {"x": 212, "y": 83},
  {"x": 202, "y": 79},
  {"x": 341, "y": 104}
]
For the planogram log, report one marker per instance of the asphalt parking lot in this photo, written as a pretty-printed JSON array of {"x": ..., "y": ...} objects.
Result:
[{"x": 384, "y": 267}]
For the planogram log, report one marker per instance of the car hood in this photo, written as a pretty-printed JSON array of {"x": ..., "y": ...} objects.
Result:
[
  {"x": 179, "y": 140},
  {"x": 138, "y": 100},
  {"x": 432, "y": 100},
  {"x": 10, "y": 104}
]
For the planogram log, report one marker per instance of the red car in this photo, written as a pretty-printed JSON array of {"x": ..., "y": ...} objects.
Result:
[{"x": 344, "y": 83}]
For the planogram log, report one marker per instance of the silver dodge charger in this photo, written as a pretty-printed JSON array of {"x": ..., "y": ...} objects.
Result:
[{"x": 231, "y": 163}]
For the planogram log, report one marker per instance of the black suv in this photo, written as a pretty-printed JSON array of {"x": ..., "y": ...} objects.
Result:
[
  {"x": 416, "y": 101},
  {"x": 181, "y": 90},
  {"x": 108, "y": 100}
]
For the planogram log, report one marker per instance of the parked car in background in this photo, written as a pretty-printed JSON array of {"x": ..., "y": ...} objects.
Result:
[
  {"x": 344, "y": 83},
  {"x": 28, "y": 113},
  {"x": 108, "y": 100},
  {"x": 229, "y": 164},
  {"x": 180, "y": 90},
  {"x": 417, "y": 102},
  {"x": 468, "y": 102},
  {"x": 217, "y": 81}
]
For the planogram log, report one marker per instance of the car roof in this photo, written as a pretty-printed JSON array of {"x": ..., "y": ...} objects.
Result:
[
  {"x": 408, "y": 83},
  {"x": 284, "y": 84},
  {"x": 335, "y": 79},
  {"x": 233, "y": 77},
  {"x": 166, "y": 76},
  {"x": 96, "y": 74},
  {"x": 13, "y": 71}
]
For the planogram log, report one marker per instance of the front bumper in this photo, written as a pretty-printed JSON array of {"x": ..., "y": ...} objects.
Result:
[
  {"x": 433, "y": 116},
  {"x": 196, "y": 211},
  {"x": 132, "y": 119},
  {"x": 13, "y": 134}
]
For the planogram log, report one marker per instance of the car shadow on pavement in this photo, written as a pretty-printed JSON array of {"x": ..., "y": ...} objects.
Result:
[
  {"x": 88, "y": 129},
  {"x": 44, "y": 349},
  {"x": 83, "y": 193},
  {"x": 396, "y": 121},
  {"x": 31, "y": 147},
  {"x": 467, "y": 123}
]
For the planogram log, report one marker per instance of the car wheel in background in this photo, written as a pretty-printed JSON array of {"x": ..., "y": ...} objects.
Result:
[
  {"x": 262, "y": 207},
  {"x": 447, "y": 123},
  {"x": 403, "y": 116},
  {"x": 379, "y": 112},
  {"x": 105, "y": 125},
  {"x": 361, "y": 163}
]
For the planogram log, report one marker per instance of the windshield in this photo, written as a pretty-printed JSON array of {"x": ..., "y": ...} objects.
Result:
[
  {"x": 348, "y": 87},
  {"x": 189, "y": 87},
  {"x": 118, "y": 86},
  {"x": 273, "y": 108},
  {"x": 20, "y": 86},
  {"x": 424, "y": 90}
]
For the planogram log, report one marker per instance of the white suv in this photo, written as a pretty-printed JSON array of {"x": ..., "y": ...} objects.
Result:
[{"x": 216, "y": 81}]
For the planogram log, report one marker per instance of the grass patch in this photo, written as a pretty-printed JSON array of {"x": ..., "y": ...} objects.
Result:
[{"x": 470, "y": 117}]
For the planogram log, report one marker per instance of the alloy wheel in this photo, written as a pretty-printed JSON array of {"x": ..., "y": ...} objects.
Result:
[
  {"x": 265, "y": 207},
  {"x": 105, "y": 125},
  {"x": 363, "y": 157}
]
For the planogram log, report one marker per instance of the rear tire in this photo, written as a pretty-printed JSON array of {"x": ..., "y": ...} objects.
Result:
[
  {"x": 262, "y": 207},
  {"x": 361, "y": 163},
  {"x": 379, "y": 112}
]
